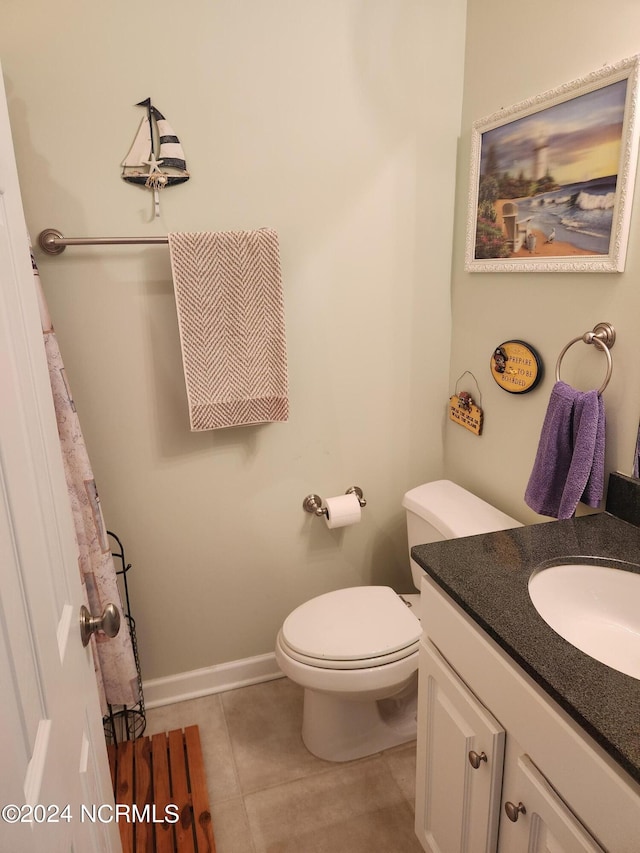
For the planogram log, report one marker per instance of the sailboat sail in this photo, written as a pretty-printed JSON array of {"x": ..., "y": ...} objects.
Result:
[
  {"x": 141, "y": 148},
  {"x": 150, "y": 168},
  {"x": 171, "y": 152}
]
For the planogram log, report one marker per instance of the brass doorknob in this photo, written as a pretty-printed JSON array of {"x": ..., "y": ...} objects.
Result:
[
  {"x": 513, "y": 811},
  {"x": 108, "y": 623}
]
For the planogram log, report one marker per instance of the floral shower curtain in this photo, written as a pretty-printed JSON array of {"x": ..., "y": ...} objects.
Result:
[{"x": 114, "y": 660}]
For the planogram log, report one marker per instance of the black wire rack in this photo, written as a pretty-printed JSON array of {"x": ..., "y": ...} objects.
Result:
[{"x": 125, "y": 722}]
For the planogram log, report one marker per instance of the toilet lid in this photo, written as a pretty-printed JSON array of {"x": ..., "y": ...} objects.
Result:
[{"x": 352, "y": 624}]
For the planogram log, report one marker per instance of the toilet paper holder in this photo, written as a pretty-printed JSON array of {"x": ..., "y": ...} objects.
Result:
[{"x": 313, "y": 503}]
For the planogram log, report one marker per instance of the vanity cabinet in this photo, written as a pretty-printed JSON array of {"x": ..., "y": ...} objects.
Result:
[{"x": 501, "y": 768}]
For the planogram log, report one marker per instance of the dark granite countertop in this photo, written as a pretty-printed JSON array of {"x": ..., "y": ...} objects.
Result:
[{"x": 487, "y": 575}]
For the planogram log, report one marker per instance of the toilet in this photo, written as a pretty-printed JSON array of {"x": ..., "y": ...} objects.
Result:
[{"x": 355, "y": 650}]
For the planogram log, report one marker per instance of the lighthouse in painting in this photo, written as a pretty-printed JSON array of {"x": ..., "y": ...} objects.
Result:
[{"x": 540, "y": 159}]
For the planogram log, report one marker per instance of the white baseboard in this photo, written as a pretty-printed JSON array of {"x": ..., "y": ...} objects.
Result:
[{"x": 211, "y": 679}]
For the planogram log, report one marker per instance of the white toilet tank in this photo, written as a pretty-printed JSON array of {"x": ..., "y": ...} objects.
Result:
[{"x": 442, "y": 510}]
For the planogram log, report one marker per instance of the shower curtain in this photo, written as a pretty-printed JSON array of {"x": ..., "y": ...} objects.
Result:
[{"x": 114, "y": 660}]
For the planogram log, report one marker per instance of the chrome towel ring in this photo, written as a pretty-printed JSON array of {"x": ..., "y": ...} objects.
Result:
[{"x": 604, "y": 337}]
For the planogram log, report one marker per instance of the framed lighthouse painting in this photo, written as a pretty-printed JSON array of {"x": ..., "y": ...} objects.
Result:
[{"x": 552, "y": 178}]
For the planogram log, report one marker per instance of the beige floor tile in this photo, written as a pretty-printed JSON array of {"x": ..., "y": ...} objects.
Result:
[
  {"x": 168, "y": 717},
  {"x": 402, "y": 763},
  {"x": 264, "y": 723},
  {"x": 208, "y": 715},
  {"x": 354, "y": 808},
  {"x": 230, "y": 827}
]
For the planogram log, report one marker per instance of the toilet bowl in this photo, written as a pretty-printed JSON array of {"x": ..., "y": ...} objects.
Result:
[
  {"x": 351, "y": 650},
  {"x": 355, "y": 650}
]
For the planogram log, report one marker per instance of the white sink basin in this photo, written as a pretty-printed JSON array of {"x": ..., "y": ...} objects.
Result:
[{"x": 595, "y": 607}]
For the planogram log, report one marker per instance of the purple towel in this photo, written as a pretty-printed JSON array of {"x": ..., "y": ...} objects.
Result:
[
  {"x": 569, "y": 463},
  {"x": 585, "y": 481}
]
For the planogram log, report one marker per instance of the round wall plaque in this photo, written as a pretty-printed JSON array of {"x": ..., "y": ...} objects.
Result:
[{"x": 516, "y": 367}]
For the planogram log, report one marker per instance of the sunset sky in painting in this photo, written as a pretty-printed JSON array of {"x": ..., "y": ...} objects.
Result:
[{"x": 583, "y": 137}]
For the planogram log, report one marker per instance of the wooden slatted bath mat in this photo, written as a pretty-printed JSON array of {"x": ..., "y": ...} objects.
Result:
[{"x": 160, "y": 788}]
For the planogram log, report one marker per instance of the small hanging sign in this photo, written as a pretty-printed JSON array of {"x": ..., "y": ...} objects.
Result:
[
  {"x": 463, "y": 411},
  {"x": 516, "y": 367}
]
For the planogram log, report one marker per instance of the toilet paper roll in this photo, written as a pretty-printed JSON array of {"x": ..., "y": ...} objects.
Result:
[{"x": 342, "y": 511}]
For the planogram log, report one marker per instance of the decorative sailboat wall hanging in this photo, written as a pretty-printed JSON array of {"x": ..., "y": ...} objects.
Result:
[{"x": 156, "y": 159}]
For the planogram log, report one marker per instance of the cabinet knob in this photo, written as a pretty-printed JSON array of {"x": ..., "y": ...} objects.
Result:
[
  {"x": 513, "y": 811},
  {"x": 476, "y": 758}
]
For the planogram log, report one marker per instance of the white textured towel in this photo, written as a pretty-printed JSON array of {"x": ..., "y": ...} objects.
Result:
[{"x": 230, "y": 311}]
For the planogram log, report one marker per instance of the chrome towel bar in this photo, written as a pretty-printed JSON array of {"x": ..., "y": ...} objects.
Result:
[{"x": 53, "y": 242}]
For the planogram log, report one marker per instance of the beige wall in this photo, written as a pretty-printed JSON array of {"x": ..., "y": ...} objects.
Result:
[
  {"x": 329, "y": 122},
  {"x": 515, "y": 52}
]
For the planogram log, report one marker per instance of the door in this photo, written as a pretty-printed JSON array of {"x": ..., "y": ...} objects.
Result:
[
  {"x": 460, "y": 755},
  {"x": 535, "y": 819},
  {"x": 53, "y": 754}
]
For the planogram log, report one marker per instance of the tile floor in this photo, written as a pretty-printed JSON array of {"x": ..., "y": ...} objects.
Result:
[{"x": 269, "y": 795}]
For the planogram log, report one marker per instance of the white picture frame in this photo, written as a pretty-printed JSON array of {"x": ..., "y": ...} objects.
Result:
[{"x": 552, "y": 178}]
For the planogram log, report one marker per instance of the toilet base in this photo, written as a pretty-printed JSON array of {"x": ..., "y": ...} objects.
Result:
[{"x": 338, "y": 729}]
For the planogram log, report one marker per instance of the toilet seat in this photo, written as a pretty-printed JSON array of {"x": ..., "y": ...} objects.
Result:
[
  {"x": 361, "y": 663},
  {"x": 352, "y": 628}
]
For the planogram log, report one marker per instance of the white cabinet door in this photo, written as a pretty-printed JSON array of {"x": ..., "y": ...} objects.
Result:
[
  {"x": 543, "y": 822},
  {"x": 457, "y": 804}
]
